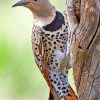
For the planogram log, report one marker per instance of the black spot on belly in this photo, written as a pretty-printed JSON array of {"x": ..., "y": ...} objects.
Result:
[
  {"x": 59, "y": 88},
  {"x": 54, "y": 42},
  {"x": 52, "y": 36},
  {"x": 49, "y": 49},
  {"x": 55, "y": 82},
  {"x": 56, "y": 24}
]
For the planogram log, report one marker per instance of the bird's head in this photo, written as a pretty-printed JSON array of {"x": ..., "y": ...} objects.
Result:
[{"x": 38, "y": 7}]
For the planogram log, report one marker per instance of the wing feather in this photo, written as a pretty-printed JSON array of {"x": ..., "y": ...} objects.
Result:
[
  {"x": 37, "y": 45},
  {"x": 39, "y": 54}
]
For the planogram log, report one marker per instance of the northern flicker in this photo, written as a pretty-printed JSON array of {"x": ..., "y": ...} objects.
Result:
[{"x": 49, "y": 44}]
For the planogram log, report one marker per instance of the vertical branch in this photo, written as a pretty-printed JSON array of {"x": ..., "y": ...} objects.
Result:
[
  {"x": 73, "y": 12},
  {"x": 73, "y": 15},
  {"x": 85, "y": 47}
]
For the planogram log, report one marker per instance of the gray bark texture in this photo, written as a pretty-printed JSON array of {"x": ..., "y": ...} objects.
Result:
[{"x": 84, "y": 21}]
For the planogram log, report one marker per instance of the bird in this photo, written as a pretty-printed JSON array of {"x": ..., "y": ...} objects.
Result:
[{"x": 49, "y": 44}]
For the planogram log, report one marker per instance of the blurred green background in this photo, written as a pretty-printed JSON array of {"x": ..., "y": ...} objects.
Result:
[{"x": 20, "y": 79}]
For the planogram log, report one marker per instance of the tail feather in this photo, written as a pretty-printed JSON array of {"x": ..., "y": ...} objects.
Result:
[
  {"x": 51, "y": 97},
  {"x": 73, "y": 95}
]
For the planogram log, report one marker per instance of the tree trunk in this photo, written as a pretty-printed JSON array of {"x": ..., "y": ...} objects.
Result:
[{"x": 84, "y": 19}]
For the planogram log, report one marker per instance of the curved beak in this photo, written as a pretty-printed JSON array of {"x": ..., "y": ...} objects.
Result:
[{"x": 20, "y": 3}]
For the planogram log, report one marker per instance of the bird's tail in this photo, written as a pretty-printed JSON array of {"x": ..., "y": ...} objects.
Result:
[
  {"x": 73, "y": 95},
  {"x": 51, "y": 97}
]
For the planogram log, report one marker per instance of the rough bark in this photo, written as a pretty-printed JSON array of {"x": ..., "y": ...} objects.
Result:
[{"x": 85, "y": 47}]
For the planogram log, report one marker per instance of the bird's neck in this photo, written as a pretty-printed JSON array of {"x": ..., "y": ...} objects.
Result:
[{"x": 44, "y": 19}]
